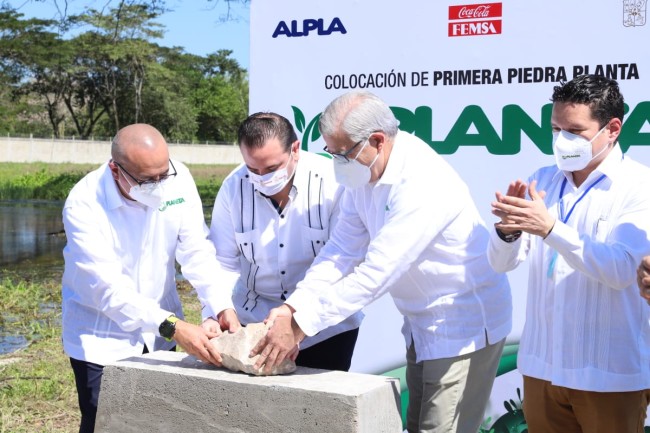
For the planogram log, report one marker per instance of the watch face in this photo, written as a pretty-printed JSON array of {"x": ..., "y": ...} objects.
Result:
[{"x": 167, "y": 329}]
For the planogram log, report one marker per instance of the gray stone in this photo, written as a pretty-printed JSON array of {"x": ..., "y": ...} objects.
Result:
[
  {"x": 171, "y": 392},
  {"x": 235, "y": 348}
]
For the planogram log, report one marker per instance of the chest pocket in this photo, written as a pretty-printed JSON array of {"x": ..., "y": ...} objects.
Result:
[
  {"x": 606, "y": 214},
  {"x": 315, "y": 230},
  {"x": 313, "y": 240},
  {"x": 246, "y": 242}
]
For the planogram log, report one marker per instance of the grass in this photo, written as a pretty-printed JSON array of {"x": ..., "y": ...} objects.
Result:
[
  {"x": 30, "y": 181},
  {"x": 37, "y": 391}
]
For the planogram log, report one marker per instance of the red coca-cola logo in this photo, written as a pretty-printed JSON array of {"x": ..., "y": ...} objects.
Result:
[
  {"x": 474, "y": 11},
  {"x": 477, "y": 12}
]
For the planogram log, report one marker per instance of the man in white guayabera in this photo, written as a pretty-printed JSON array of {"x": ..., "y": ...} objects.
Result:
[
  {"x": 126, "y": 224},
  {"x": 409, "y": 221},
  {"x": 585, "y": 224},
  {"x": 272, "y": 216}
]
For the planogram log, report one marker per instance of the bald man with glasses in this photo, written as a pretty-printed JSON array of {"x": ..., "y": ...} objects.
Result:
[{"x": 127, "y": 223}]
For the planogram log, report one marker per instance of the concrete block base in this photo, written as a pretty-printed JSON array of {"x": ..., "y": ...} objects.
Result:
[{"x": 174, "y": 392}]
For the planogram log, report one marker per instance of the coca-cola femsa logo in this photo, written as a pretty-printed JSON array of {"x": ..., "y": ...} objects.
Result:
[
  {"x": 475, "y": 19},
  {"x": 484, "y": 10}
]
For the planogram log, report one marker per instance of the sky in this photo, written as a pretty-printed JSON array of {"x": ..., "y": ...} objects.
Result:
[{"x": 194, "y": 25}]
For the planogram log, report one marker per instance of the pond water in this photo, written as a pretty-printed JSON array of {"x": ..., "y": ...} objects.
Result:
[
  {"x": 31, "y": 230},
  {"x": 31, "y": 243}
]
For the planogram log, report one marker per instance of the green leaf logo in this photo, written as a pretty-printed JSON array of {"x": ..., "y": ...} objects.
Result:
[
  {"x": 299, "y": 118},
  {"x": 311, "y": 132}
]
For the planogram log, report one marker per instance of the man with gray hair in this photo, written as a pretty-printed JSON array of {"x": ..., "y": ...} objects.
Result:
[{"x": 410, "y": 221}]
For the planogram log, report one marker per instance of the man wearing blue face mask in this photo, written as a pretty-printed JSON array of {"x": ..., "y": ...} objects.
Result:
[
  {"x": 272, "y": 216},
  {"x": 127, "y": 223},
  {"x": 585, "y": 348},
  {"x": 408, "y": 227}
]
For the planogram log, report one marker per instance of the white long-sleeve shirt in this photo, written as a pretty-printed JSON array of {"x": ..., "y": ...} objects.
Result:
[
  {"x": 119, "y": 278},
  {"x": 263, "y": 253},
  {"x": 420, "y": 238},
  {"x": 586, "y": 327}
]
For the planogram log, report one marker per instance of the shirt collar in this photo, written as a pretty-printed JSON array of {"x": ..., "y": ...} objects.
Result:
[
  {"x": 610, "y": 167},
  {"x": 114, "y": 198},
  {"x": 300, "y": 177},
  {"x": 393, "y": 171}
]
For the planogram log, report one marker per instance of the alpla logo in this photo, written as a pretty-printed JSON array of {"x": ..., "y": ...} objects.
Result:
[
  {"x": 473, "y": 127},
  {"x": 475, "y": 20},
  {"x": 304, "y": 27},
  {"x": 168, "y": 203}
]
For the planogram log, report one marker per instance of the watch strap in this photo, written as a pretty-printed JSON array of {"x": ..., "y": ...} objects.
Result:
[
  {"x": 168, "y": 327},
  {"x": 508, "y": 237}
]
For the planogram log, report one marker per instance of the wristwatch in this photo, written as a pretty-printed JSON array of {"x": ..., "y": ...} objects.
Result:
[
  {"x": 168, "y": 327},
  {"x": 508, "y": 237}
]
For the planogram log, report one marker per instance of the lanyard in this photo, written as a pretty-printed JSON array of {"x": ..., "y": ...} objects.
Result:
[{"x": 564, "y": 219}]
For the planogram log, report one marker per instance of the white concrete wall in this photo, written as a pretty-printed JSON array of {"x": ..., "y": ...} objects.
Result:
[{"x": 98, "y": 152}]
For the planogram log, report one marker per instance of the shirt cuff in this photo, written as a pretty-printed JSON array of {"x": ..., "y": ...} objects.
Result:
[
  {"x": 305, "y": 315},
  {"x": 562, "y": 237}
]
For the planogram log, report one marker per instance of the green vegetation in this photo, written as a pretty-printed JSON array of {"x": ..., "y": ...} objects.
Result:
[
  {"x": 37, "y": 391},
  {"x": 40, "y": 181},
  {"x": 22, "y": 181},
  {"x": 88, "y": 74}
]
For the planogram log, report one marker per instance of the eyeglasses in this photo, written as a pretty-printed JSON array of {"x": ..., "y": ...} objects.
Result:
[
  {"x": 158, "y": 179},
  {"x": 344, "y": 156}
]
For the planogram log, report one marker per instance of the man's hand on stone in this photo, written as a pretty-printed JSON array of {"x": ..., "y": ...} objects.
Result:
[
  {"x": 212, "y": 326},
  {"x": 281, "y": 340},
  {"x": 228, "y": 321},
  {"x": 195, "y": 340}
]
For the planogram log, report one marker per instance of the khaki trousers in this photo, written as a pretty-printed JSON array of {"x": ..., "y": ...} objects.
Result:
[
  {"x": 450, "y": 394},
  {"x": 555, "y": 409}
]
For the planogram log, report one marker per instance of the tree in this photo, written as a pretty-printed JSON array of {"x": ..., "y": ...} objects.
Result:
[
  {"x": 109, "y": 74},
  {"x": 24, "y": 44},
  {"x": 119, "y": 53},
  {"x": 168, "y": 102},
  {"x": 222, "y": 97}
]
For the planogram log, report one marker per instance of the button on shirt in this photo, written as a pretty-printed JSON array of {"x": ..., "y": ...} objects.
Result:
[
  {"x": 586, "y": 327},
  {"x": 264, "y": 253},
  {"x": 421, "y": 239},
  {"x": 119, "y": 279}
]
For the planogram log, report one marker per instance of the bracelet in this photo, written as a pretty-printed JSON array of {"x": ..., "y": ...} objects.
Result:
[{"x": 508, "y": 237}]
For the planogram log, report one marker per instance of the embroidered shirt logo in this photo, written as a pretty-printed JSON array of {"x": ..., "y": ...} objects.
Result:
[{"x": 168, "y": 203}]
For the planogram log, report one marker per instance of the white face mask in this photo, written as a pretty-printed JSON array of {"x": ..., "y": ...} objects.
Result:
[
  {"x": 271, "y": 183},
  {"x": 573, "y": 152},
  {"x": 149, "y": 194},
  {"x": 352, "y": 174}
]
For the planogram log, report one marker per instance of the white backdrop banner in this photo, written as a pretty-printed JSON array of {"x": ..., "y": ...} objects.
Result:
[{"x": 471, "y": 79}]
